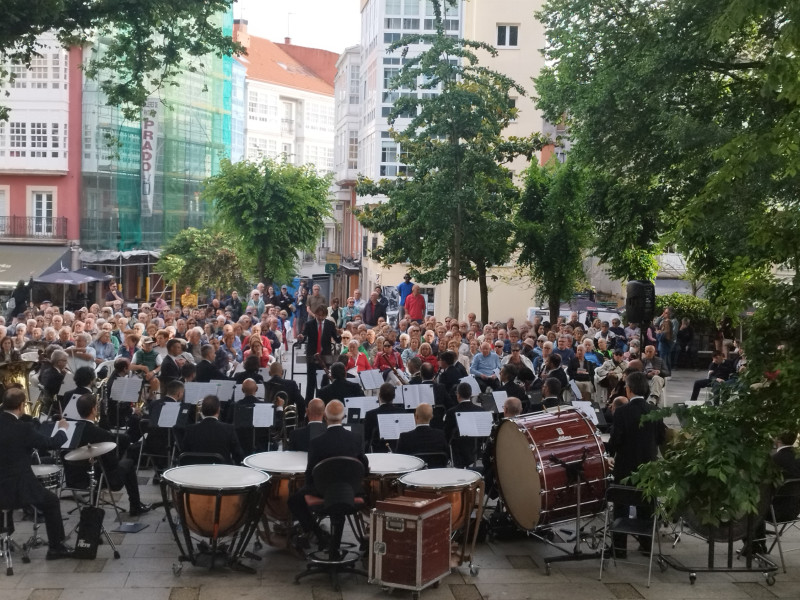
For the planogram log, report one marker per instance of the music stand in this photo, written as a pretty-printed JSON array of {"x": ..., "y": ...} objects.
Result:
[{"x": 125, "y": 390}]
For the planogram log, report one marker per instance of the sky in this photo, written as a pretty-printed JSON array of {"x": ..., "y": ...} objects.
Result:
[{"x": 328, "y": 24}]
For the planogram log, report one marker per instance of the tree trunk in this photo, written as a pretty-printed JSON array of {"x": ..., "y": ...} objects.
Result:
[
  {"x": 484, "y": 292},
  {"x": 553, "y": 305},
  {"x": 455, "y": 268}
]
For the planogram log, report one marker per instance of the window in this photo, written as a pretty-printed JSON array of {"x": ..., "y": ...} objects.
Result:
[
  {"x": 410, "y": 23},
  {"x": 43, "y": 213},
  {"x": 55, "y": 64},
  {"x": 364, "y": 245},
  {"x": 392, "y": 23},
  {"x": 18, "y": 139},
  {"x": 38, "y": 140},
  {"x": 355, "y": 75},
  {"x": 20, "y": 76},
  {"x": 393, "y": 7},
  {"x": 388, "y": 152},
  {"x": 388, "y": 77},
  {"x": 2, "y": 139},
  {"x": 411, "y": 7},
  {"x": 507, "y": 36},
  {"x": 352, "y": 150},
  {"x": 4, "y": 210},
  {"x": 390, "y": 38}
]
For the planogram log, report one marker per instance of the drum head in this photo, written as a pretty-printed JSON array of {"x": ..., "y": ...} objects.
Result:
[
  {"x": 278, "y": 462},
  {"x": 440, "y": 478},
  {"x": 44, "y": 470},
  {"x": 386, "y": 463},
  {"x": 215, "y": 477},
  {"x": 517, "y": 474}
]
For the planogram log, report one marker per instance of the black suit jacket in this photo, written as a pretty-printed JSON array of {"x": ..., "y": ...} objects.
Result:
[
  {"x": 300, "y": 438},
  {"x": 632, "y": 441},
  {"x": 212, "y": 436},
  {"x": 206, "y": 371},
  {"x": 451, "y": 376},
  {"x": 464, "y": 449},
  {"x": 242, "y": 375},
  {"x": 572, "y": 370},
  {"x": 328, "y": 336},
  {"x": 787, "y": 508},
  {"x": 422, "y": 439},
  {"x": 371, "y": 314},
  {"x": 441, "y": 397},
  {"x": 513, "y": 390},
  {"x": 279, "y": 384},
  {"x": 336, "y": 441},
  {"x": 340, "y": 389},
  {"x": 18, "y": 485},
  {"x": 76, "y": 472},
  {"x": 371, "y": 429},
  {"x": 170, "y": 371}
]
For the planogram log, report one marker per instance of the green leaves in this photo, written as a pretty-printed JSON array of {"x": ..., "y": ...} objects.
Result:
[{"x": 273, "y": 209}]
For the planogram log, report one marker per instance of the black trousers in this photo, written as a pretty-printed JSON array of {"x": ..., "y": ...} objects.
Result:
[
  {"x": 125, "y": 476},
  {"x": 642, "y": 512},
  {"x": 47, "y": 503},
  {"x": 311, "y": 378},
  {"x": 301, "y": 511}
]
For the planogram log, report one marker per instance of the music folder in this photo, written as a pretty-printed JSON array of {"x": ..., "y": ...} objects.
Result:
[
  {"x": 414, "y": 395},
  {"x": 474, "y": 423},
  {"x": 73, "y": 431},
  {"x": 586, "y": 408},
  {"x": 126, "y": 389},
  {"x": 476, "y": 389},
  {"x": 71, "y": 410},
  {"x": 371, "y": 379},
  {"x": 391, "y": 426}
]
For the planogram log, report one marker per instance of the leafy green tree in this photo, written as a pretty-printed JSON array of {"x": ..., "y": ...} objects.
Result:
[
  {"x": 553, "y": 231},
  {"x": 272, "y": 209},
  {"x": 202, "y": 258},
  {"x": 685, "y": 115},
  {"x": 449, "y": 218},
  {"x": 149, "y": 41}
]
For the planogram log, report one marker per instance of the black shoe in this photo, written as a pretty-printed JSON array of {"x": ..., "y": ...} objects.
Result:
[
  {"x": 59, "y": 551},
  {"x": 139, "y": 509}
]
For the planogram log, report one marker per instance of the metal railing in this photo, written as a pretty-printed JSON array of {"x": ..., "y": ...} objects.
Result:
[{"x": 34, "y": 227}]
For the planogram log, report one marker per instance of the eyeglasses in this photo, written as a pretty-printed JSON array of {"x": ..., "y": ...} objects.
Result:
[
  {"x": 387, "y": 345},
  {"x": 515, "y": 349}
]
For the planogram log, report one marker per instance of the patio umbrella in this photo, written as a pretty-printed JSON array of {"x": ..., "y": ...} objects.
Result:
[{"x": 66, "y": 277}]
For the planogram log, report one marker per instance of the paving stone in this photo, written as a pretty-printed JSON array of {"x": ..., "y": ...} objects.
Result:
[
  {"x": 466, "y": 591},
  {"x": 522, "y": 561},
  {"x": 623, "y": 591},
  {"x": 45, "y": 594},
  {"x": 184, "y": 593},
  {"x": 755, "y": 590},
  {"x": 91, "y": 566},
  {"x": 319, "y": 592}
]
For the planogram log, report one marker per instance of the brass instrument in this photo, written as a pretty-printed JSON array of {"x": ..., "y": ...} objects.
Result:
[
  {"x": 15, "y": 374},
  {"x": 321, "y": 362}
]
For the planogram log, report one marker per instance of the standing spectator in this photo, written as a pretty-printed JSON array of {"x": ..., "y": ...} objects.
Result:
[
  {"x": 404, "y": 289},
  {"x": 188, "y": 299},
  {"x": 683, "y": 348}
]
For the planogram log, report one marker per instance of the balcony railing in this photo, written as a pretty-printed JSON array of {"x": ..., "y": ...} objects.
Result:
[
  {"x": 287, "y": 126},
  {"x": 52, "y": 228}
]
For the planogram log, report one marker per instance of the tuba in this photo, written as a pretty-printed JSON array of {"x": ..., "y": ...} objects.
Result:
[{"x": 15, "y": 374}]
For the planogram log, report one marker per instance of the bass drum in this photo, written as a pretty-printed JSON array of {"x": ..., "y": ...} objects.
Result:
[{"x": 529, "y": 456}]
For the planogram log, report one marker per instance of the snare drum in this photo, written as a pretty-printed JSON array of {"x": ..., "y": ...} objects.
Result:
[
  {"x": 529, "y": 452},
  {"x": 214, "y": 501},
  {"x": 384, "y": 470},
  {"x": 48, "y": 475},
  {"x": 287, "y": 472},
  {"x": 459, "y": 486}
]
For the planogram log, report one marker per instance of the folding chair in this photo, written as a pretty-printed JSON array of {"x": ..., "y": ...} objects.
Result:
[
  {"x": 647, "y": 528},
  {"x": 786, "y": 500}
]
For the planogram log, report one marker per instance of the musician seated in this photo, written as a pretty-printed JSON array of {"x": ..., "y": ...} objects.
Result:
[
  {"x": 423, "y": 439},
  {"x": 340, "y": 388},
  {"x": 551, "y": 393},
  {"x": 206, "y": 369},
  {"x": 18, "y": 485},
  {"x": 413, "y": 366},
  {"x": 84, "y": 378},
  {"x": 158, "y": 439},
  {"x": 211, "y": 436},
  {"x": 508, "y": 375},
  {"x": 51, "y": 377},
  {"x": 464, "y": 448},
  {"x": 512, "y": 407},
  {"x": 119, "y": 473},
  {"x": 440, "y": 395},
  {"x": 277, "y": 383},
  {"x": 250, "y": 370},
  {"x": 386, "y": 395},
  {"x": 336, "y": 441},
  {"x": 389, "y": 361},
  {"x": 300, "y": 438}
]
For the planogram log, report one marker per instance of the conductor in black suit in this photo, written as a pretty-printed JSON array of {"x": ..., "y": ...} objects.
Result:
[
  {"x": 18, "y": 485},
  {"x": 336, "y": 441},
  {"x": 120, "y": 473},
  {"x": 386, "y": 395},
  {"x": 423, "y": 439},
  {"x": 206, "y": 369},
  {"x": 300, "y": 438},
  {"x": 319, "y": 335},
  {"x": 212, "y": 436},
  {"x": 340, "y": 388},
  {"x": 633, "y": 442},
  {"x": 464, "y": 448}
]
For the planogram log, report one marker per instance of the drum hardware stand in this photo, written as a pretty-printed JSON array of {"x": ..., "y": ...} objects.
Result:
[
  {"x": 94, "y": 500},
  {"x": 574, "y": 472}
]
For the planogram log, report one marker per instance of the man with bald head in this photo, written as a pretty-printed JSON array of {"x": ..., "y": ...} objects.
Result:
[
  {"x": 336, "y": 441},
  {"x": 423, "y": 439},
  {"x": 300, "y": 438}
]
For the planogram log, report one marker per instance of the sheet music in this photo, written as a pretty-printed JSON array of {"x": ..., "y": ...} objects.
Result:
[
  {"x": 371, "y": 379},
  {"x": 68, "y": 383},
  {"x": 263, "y": 415},
  {"x": 391, "y": 426},
  {"x": 70, "y": 431},
  {"x": 587, "y": 409},
  {"x": 353, "y": 372},
  {"x": 319, "y": 374},
  {"x": 575, "y": 390},
  {"x": 238, "y": 394},
  {"x": 126, "y": 389},
  {"x": 194, "y": 392},
  {"x": 362, "y": 403},
  {"x": 225, "y": 388},
  {"x": 414, "y": 395},
  {"x": 71, "y": 410},
  {"x": 474, "y": 424},
  {"x": 500, "y": 399},
  {"x": 496, "y": 373},
  {"x": 476, "y": 389},
  {"x": 169, "y": 414},
  {"x": 264, "y": 372}
]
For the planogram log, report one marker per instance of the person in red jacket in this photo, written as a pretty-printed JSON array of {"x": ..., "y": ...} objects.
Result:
[{"x": 415, "y": 305}]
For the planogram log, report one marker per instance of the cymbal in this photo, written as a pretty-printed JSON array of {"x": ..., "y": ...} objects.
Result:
[{"x": 90, "y": 451}]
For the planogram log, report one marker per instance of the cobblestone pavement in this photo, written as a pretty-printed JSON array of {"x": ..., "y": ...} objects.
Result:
[{"x": 508, "y": 570}]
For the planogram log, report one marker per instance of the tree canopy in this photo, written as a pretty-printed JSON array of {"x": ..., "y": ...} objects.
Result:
[
  {"x": 449, "y": 216},
  {"x": 148, "y": 41},
  {"x": 273, "y": 210},
  {"x": 685, "y": 117}
]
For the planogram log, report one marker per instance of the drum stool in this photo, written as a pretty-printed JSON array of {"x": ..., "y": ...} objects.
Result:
[
  {"x": 7, "y": 543},
  {"x": 338, "y": 480}
]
